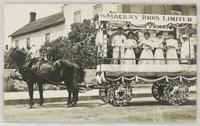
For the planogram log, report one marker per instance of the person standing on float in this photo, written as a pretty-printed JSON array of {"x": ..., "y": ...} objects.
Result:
[
  {"x": 99, "y": 37},
  {"x": 118, "y": 45},
  {"x": 185, "y": 49},
  {"x": 172, "y": 46},
  {"x": 146, "y": 56},
  {"x": 159, "y": 53},
  {"x": 129, "y": 45}
]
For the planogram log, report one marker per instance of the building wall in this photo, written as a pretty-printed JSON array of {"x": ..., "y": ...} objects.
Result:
[
  {"x": 38, "y": 38},
  {"x": 86, "y": 12}
]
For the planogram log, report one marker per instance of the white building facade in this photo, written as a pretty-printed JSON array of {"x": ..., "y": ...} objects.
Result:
[
  {"x": 37, "y": 32},
  {"x": 38, "y": 38}
]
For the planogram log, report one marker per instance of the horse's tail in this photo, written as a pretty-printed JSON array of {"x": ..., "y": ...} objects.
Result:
[{"x": 81, "y": 74}]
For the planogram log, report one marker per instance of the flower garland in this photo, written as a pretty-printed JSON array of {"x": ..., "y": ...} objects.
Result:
[
  {"x": 129, "y": 25},
  {"x": 137, "y": 78}
]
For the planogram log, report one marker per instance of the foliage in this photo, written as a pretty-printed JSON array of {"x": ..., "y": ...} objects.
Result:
[
  {"x": 79, "y": 47},
  {"x": 56, "y": 49},
  {"x": 14, "y": 57}
]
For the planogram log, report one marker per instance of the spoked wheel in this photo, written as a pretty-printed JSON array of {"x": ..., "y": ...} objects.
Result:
[
  {"x": 158, "y": 91},
  {"x": 120, "y": 95},
  {"x": 176, "y": 93},
  {"x": 103, "y": 94}
]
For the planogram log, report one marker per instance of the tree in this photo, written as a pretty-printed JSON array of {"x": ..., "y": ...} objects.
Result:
[
  {"x": 79, "y": 47},
  {"x": 55, "y": 49},
  {"x": 10, "y": 59},
  {"x": 82, "y": 36}
]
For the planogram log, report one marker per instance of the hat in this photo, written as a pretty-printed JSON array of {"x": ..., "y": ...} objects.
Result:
[
  {"x": 147, "y": 33},
  {"x": 119, "y": 28},
  {"x": 131, "y": 33},
  {"x": 184, "y": 36},
  {"x": 159, "y": 33}
]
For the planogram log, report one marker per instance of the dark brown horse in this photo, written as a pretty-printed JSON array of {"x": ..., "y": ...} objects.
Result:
[{"x": 42, "y": 72}]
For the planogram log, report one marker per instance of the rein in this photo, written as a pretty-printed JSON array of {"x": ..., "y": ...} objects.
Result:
[
  {"x": 40, "y": 75},
  {"x": 16, "y": 70},
  {"x": 52, "y": 82}
]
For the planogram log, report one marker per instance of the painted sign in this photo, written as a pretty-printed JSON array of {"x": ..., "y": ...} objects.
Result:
[{"x": 145, "y": 18}]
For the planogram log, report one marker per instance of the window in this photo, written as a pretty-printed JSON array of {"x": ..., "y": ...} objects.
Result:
[
  {"x": 17, "y": 44},
  {"x": 97, "y": 8},
  {"x": 147, "y": 9},
  {"x": 6, "y": 46},
  {"x": 176, "y": 10},
  {"x": 157, "y": 9},
  {"x": 28, "y": 45},
  {"x": 127, "y": 8},
  {"x": 139, "y": 8},
  {"x": 47, "y": 37},
  {"x": 77, "y": 16}
]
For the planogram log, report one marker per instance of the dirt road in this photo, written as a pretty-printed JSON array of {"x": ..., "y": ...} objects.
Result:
[{"x": 141, "y": 110}]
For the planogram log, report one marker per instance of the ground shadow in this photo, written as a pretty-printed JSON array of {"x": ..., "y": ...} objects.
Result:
[
  {"x": 85, "y": 105},
  {"x": 137, "y": 103},
  {"x": 153, "y": 103}
]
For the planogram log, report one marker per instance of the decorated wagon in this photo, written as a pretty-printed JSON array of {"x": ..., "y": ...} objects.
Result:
[{"x": 170, "y": 82}]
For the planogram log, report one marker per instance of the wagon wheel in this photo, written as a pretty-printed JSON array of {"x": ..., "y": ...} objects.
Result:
[
  {"x": 103, "y": 94},
  {"x": 120, "y": 95},
  {"x": 176, "y": 92},
  {"x": 158, "y": 91}
]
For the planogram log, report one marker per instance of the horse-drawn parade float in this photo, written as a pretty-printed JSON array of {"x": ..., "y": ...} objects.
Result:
[{"x": 117, "y": 72}]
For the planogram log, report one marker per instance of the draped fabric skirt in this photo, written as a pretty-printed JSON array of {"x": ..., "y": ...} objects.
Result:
[
  {"x": 129, "y": 54},
  {"x": 146, "y": 57},
  {"x": 172, "y": 54},
  {"x": 185, "y": 52},
  {"x": 118, "y": 52},
  {"x": 159, "y": 54}
]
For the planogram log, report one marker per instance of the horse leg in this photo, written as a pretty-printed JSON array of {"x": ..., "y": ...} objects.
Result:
[
  {"x": 75, "y": 94},
  {"x": 75, "y": 97},
  {"x": 69, "y": 100},
  {"x": 40, "y": 86},
  {"x": 69, "y": 89},
  {"x": 30, "y": 90}
]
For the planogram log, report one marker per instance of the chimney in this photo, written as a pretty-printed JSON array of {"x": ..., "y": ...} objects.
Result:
[{"x": 32, "y": 17}]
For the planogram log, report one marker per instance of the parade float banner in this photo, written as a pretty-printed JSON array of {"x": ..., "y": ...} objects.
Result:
[{"x": 145, "y": 18}]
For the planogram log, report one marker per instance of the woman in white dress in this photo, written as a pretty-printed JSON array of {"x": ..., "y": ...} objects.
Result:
[
  {"x": 129, "y": 52},
  {"x": 185, "y": 49},
  {"x": 117, "y": 44},
  {"x": 147, "y": 54},
  {"x": 159, "y": 54},
  {"x": 99, "y": 41},
  {"x": 172, "y": 46}
]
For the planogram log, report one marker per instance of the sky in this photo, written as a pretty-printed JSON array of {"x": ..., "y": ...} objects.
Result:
[{"x": 17, "y": 15}]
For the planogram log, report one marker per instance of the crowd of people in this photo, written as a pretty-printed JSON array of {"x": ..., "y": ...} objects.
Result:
[{"x": 158, "y": 50}]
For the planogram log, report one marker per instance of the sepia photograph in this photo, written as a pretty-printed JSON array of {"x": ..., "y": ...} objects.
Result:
[{"x": 100, "y": 63}]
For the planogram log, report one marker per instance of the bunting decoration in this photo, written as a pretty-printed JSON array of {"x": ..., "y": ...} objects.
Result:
[{"x": 143, "y": 79}]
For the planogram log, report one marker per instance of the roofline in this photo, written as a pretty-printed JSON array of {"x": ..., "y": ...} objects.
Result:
[{"x": 42, "y": 28}]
